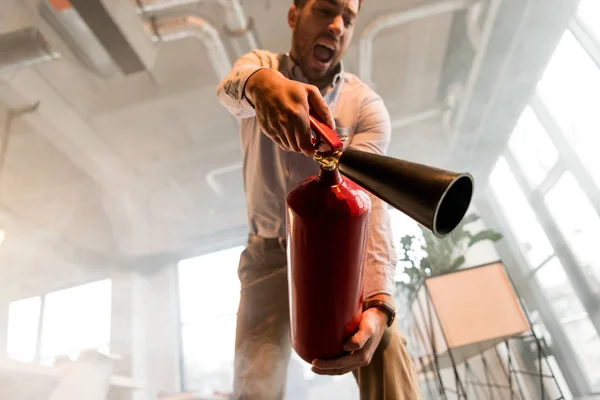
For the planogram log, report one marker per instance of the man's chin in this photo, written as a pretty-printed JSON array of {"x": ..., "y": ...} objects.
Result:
[{"x": 319, "y": 70}]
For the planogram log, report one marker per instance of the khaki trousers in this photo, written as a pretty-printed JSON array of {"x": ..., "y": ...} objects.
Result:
[{"x": 262, "y": 346}]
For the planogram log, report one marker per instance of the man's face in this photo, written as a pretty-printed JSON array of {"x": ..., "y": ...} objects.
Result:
[{"x": 321, "y": 33}]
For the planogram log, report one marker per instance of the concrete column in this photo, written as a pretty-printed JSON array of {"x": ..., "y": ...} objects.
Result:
[
  {"x": 161, "y": 331},
  {"x": 122, "y": 322},
  {"x": 3, "y": 327},
  {"x": 145, "y": 331}
]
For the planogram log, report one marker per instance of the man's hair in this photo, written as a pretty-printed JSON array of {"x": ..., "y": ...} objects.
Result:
[{"x": 302, "y": 3}]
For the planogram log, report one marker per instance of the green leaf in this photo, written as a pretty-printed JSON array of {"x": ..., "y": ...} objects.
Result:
[
  {"x": 457, "y": 263},
  {"x": 469, "y": 219},
  {"x": 488, "y": 234}
]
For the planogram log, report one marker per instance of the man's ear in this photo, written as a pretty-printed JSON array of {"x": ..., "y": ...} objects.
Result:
[{"x": 293, "y": 16}]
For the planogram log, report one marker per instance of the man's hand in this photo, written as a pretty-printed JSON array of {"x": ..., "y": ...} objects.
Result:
[
  {"x": 361, "y": 345},
  {"x": 282, "y": 109}
]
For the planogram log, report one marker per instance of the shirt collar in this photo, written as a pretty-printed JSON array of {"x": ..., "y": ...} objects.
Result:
[{"x": 294, "y": 72}]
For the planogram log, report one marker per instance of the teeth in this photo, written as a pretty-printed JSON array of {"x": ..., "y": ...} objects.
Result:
[{"x": 329, "y": 46}]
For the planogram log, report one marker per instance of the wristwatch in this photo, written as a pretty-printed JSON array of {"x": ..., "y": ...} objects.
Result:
[{"x": 384, "y": 306}]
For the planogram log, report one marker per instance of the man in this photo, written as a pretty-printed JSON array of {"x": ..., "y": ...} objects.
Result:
[{"x": 271, "y": 95}]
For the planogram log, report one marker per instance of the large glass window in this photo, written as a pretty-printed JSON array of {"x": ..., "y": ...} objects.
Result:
[
  {"x": 584, "y": 335},
  {"x": 570, "y": 90},
  {"x": 75, "y": 319},
  {"x": 579, "y": 224},
  {"x": 588, "y": 12},
  {"x": 208, "y": 333},
  {"x": 72, "y": 320},
  {"x": 532, "y": 148},
  {"x": 540, "y": 181},
  {"x": 572, "y": 316},
  {"x": 520, "y": 215},
  {"x": 209, "y": 295},
  {"x": 23, "y": 326},
  {"x": 562, "y": 297}
]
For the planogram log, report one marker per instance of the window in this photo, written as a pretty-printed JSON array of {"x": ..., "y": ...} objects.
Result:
[
  {"x": 75, "y": 319},
  {"x": 532, "y": 148},
  {"x": 559, "y": 291},
  {"x": 588, "y": 12},
  {"x": 520, "y": 215},
  {"x": 208, "y": 332},
  {"x": 23, "y": 326},
  {"x": 570, "y": 90},
  {"x": 584, "y": 336},
  {"x": 71, "y": 320},
  {"x": 402, "y": 225},
  {"x": 543, "y": 183},
  {"x": 579, "y": 224},
  {"x": 208, "y": 326},
  {"x": 571, "y": 314}
]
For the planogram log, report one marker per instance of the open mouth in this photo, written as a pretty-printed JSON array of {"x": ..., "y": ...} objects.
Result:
[{"x": 323, "y": 52}]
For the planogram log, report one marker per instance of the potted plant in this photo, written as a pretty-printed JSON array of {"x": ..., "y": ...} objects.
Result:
[{"x": 427, "y": 256}]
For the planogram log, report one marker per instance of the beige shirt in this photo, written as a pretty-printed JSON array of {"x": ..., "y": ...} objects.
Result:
[{"x": 270, "y": 173}]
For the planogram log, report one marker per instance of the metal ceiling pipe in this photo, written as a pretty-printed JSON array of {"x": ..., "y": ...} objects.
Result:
[
  {"x": 476, "y": 66},
  {"x": 23, "y": 48},
  {"x": 365, "y": 49},
  {"x": 474, "y": 29},
  {"x": 211, "y": 176},
  {"x": 177, "y": 28},
  {"x": 154, "y": 6},
  {"x": 237, "y": 24},
  {"x": 403, "y": 122}
]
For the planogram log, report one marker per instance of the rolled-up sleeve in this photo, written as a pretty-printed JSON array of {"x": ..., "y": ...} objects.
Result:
[
  {"x": 373, "y": 134},
  {"x": 230, "y": 91}
]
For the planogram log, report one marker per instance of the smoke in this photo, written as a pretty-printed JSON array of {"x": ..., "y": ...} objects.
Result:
[{"x": 260, "y": 369}]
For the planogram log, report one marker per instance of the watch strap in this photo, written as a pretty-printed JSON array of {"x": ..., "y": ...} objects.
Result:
[{"x": 382, "y": 305}]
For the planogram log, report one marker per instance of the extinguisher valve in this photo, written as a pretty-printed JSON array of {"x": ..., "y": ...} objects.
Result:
[{"x": 328, "y": 161}]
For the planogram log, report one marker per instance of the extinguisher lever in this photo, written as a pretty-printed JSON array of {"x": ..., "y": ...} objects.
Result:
[{"x": 324, "y": 133}]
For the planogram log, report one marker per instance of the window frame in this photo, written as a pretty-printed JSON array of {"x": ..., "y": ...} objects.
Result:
[
  {"x": 215, "y": 248},
  {"x": 568, "y": 161},
  {"x": 40, "y": 325}
]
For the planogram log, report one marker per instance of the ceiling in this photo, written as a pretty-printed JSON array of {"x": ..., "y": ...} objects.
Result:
[{"x": 104, "y": 171}]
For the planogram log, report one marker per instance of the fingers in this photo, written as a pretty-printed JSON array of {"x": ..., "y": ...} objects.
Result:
[
  {"x": 361, "y": 346},
  {"x": 345, "y": 364},
  {"x": 320, "y": 107},
  {"x": 279, "y": 143},
  {"x": 286, "y": 121},
  {"x": 291, "y": 133},
  {"x": 302, "y": 134},
  {"x": 366, "y": 329},
  {"x": 275, "y": 131}
]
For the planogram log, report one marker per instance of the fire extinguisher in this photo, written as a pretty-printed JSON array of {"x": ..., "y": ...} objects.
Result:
[
  {"x": 327, "y": 224},
  {"x": 328, "y": 219}
]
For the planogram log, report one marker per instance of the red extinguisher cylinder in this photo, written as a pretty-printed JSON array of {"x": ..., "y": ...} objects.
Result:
[{"x": 328, "y": 219}]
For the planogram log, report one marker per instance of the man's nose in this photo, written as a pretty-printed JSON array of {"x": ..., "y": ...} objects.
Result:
[{"x": 336, "y": 28}]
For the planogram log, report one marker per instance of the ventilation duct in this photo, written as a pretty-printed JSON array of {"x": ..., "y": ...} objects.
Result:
[
  {"x": 237, "y": 25},
  {"x": 177, "y": 28},
  {"x": 154, "y": 6},
  {"x": 365, "y": 50},
  {"x": 104, "y": 35},
  {"x": 79, "y": 38},
  {"x": 24, "y": 48}
]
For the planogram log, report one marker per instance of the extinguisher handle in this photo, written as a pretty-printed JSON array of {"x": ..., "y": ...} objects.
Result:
[{"x": 325, "y": 133}]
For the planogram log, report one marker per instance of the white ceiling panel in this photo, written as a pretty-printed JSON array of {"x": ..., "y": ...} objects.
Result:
[
  {"x": 139, "y": 156},
  {"x": 13, "y": 16},
  {"x": 143, "y": 133}
]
